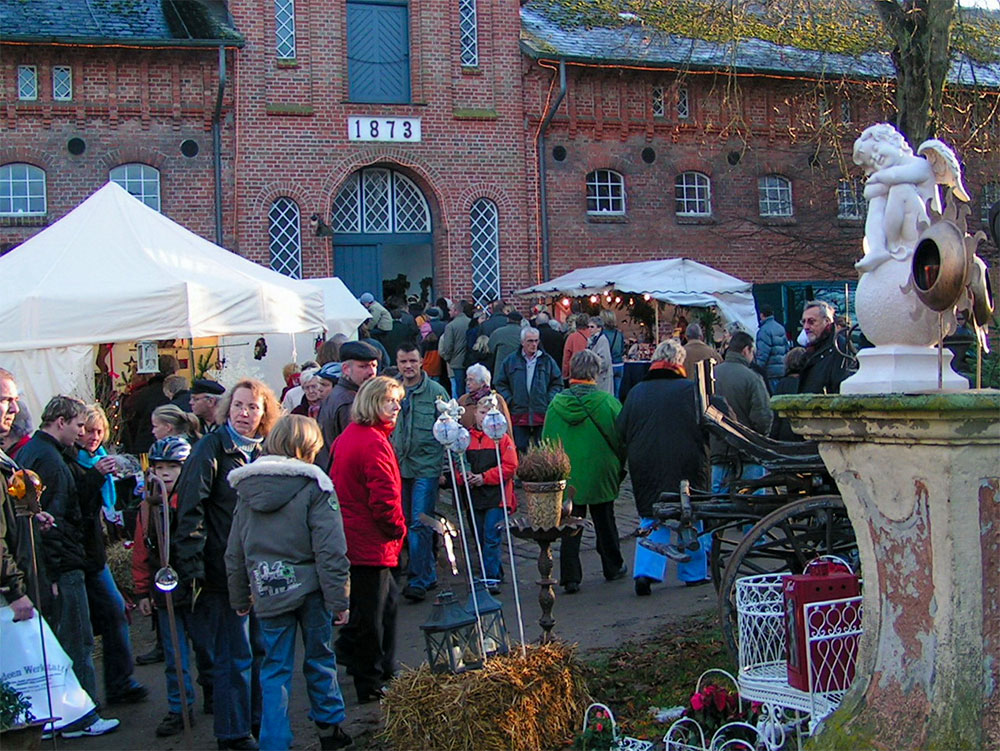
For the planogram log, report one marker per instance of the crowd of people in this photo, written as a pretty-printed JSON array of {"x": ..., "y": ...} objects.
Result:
[{"x": 288, "y": 513}]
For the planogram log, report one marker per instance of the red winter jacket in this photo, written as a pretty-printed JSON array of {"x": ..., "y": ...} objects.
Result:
[
  {"x": 479, "y": 441},
  {"x": 146, "y": 562},
  {"x": 365, "y": 475}
]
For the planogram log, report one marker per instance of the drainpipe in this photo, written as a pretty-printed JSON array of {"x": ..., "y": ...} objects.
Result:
[
  {"x": 542, "y": 191},
  {"x": 217, "y": 145}
]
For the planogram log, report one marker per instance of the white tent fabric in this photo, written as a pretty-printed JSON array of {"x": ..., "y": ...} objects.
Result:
[
  {"x": 115, "y": 270},
  {"x": 343, "y": 311},
  {"x": 679, "y": 281}
]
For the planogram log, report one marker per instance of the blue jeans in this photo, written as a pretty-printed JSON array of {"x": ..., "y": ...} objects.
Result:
[
  {"x": 654, "y": 566},
  {"x": 457, "y": 382},
  {"x": 319, "y": 664},
  {"x": 722, "y": 474},
  {"x": 107, "y": 612},
  {"x": 619, "y": 370},
  {"x": 227, "y": 635},
  {"x": 74, "y": 631},
  {"x": 182, "y": 617},
  {"x": 489, "y": 531},
  {"x": 419, "y": 497}
]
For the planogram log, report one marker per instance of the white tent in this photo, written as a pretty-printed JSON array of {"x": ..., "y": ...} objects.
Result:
[
  {"x": 343, "y": 311},
  {"x": 678, "y": 281},
  {"x": 115, "y": 270}
]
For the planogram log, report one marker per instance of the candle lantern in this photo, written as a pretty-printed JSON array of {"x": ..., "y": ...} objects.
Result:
[
  {"x": 451, "y": 637},
  {"x": 495, "y": 639}
]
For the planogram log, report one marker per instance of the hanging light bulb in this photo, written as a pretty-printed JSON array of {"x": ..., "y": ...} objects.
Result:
[
  {"x": 618, "y": 301},
  {"x": 565, "y": 302},
  {"x": 593, "y": 298},
  {"x": 646, "y": 297}
]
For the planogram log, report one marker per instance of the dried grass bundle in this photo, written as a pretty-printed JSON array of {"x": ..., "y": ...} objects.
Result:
[
  {"x": 120, "y": 563},
  {"x": 532, "y": 704}
]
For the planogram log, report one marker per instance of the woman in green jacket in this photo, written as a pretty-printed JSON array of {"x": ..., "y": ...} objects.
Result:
[{"x": 583, "y": 418}]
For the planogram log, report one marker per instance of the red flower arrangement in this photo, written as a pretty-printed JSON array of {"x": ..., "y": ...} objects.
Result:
[{"x": 714, "y": 706}]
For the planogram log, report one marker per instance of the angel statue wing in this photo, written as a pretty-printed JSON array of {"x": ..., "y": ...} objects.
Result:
[{"x": 947, "y": 170}]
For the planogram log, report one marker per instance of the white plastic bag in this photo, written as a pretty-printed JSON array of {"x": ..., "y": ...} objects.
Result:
[{"x": 21, "y": 666}]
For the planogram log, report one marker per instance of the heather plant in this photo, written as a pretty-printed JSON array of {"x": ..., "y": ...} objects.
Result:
[{"x": 544, "y": 462}]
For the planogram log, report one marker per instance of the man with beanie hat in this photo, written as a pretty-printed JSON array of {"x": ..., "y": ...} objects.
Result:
[
  {"x": 381, "y": 320},
  {"x": 358, "y": 363}
]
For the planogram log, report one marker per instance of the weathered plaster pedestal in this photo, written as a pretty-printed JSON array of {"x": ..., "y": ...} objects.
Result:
[{"x": 920, "y": 476}]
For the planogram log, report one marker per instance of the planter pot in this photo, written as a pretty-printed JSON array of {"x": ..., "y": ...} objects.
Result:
[
  {"x": 545, "y": 501},
  {"x": 22, "y": 737}
]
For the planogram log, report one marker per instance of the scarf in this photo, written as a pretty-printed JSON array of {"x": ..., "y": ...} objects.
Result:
[
  {"x": 108, "y": 494},
  {"x": 246, "y": 446},
  {"x": 575, "y": 381},
  {"x": 664, "y": 365},
  {"x": 479, "y": 393}
]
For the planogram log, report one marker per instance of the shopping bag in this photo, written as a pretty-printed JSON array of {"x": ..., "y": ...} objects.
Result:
[{"x": 22, "y": 667}]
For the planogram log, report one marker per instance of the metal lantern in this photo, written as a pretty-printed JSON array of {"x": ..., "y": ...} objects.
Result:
[
  {"x": 495, "y": 639},
  {"x": 446, "y": 429},
  {"x": 462, "y": 441},
  {"x": 451, "y": 637},
  {"x": 495, "y": 424}
]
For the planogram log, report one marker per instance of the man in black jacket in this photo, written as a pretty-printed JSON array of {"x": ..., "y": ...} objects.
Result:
[
  {"x": 13, "y": 582},
  {"x": 62, "y": 424},
  {"x": 825, "y": 367}
]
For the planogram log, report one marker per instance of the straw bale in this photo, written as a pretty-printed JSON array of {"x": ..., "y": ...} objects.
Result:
[{"x": 511, "y": 704}]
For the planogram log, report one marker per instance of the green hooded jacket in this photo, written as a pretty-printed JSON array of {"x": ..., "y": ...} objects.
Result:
[{"x": 592, "y": 442}]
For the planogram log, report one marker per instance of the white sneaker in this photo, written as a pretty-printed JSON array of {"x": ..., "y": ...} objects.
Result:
[{"x": 100, "y": 726}]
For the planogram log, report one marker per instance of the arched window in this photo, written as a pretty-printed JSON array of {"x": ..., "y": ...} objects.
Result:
[
  {"x": 468, "y": 33},
  {"x": 851, "y": 203},
  {"x": 284, "y": 29},
  {"x": 141, "y": 180},
  {"x": 284, "y": 229},
  {"x": 484, "y": 228},
  {"x": 605, "y": 192},
  {"x": 379, "y": 200},
  {"x": 774, "y": 195},
  {"x": 692, "y": 194},
  {"x": 22, "y": 190}
]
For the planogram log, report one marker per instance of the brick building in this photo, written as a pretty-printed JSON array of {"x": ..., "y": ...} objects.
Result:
[{"x": 411, "y": 132}]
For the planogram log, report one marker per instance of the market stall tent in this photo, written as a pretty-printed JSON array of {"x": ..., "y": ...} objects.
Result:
[
  {"x": 678, "y": 281},
  {"x": 115, "y": 270}
]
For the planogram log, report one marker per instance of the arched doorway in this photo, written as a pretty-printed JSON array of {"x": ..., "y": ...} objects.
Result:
[{"x": 382, "y": 231}]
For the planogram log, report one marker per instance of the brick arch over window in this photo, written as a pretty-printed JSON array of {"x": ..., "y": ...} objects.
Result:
[
  {"x": 29, "y": 155},
  {"x": 498, "y": 195},
  {"x": 133, "y": 154},
  {"x": 270, "y": 192}
]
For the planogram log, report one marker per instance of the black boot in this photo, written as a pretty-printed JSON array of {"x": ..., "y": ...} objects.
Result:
[
  {"x": 333, "y": 737},
  {"x": 151, "y": 657}
]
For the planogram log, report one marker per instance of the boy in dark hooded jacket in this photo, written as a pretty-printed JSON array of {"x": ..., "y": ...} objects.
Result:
[{"x": 287, "y": 556}]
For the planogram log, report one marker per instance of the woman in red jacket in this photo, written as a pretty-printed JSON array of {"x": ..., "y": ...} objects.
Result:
[{"x": 366, "y": 477}]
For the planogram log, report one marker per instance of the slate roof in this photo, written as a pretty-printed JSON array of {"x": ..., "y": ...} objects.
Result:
[
  {"x": 118, "y": 21},
  {"x": 548, "y": 32}
]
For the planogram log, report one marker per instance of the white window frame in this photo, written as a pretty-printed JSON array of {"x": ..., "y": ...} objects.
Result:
[
  {"x": 989, "y": 196},
  {"x": 356, "y": 207},
  {"x": 484, "y": 236},
  {"x": 851, "y": 203},
  {"x": 284, "y": 29},
  {"x": 659, "y": 108},
  {"x": 284, "y": 231},
  {"x": 62, "y": 83},
  {"x": 606, "y": 192},
  {"x": 139, "y": 185},
  {"x": 27, "y": 83},
  {"x": 698, "y": 204},
  {"x": 683, "y": 103},
  {"x": 33, "y": 178},
  {"x": 774, "y": 196},
  {"x": 468, "y": 32}
]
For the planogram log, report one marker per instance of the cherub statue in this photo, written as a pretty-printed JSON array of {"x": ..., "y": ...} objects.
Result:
[{"x": 898, "y": 189}]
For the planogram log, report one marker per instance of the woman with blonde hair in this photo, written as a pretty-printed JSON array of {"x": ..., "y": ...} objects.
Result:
[
  {"x": 366, "y": 477},
  {"x": 287, "y": 556},
  {"x": 169, "y": 419},
  {"x": 205, "y": 506}
]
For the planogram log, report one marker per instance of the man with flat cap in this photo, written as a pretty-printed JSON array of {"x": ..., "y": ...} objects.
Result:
[
  {"x": 205, "y": 395},
  {"x": 358, "y": 363}
]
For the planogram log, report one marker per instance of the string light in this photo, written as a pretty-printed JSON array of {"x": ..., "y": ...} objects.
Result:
[
  {"x": 565, "y": 302},
  {"x": 646, "y": 297},
  {"x": 593, "y": 298}
]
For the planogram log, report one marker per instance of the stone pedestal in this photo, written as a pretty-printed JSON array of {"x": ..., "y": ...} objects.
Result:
[
  {"x": 902, "y": 369},
  {"x": 920, "y": 476}
]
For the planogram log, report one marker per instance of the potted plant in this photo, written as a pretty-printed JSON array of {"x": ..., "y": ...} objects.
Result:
[
  {"x": 18, "y": 727},
  {"x": 543, "y": 471}
]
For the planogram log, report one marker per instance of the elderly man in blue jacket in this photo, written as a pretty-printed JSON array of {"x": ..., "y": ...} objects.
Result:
[{"x": 528, "y": 379}]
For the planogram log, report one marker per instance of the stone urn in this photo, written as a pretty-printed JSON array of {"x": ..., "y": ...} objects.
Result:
[{"x": 545, "y": 502}]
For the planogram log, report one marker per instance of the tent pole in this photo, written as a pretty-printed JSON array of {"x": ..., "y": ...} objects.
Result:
[{"x": 656, "y": 335}]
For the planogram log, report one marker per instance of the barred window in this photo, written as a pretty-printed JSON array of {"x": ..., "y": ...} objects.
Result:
[
  {"x": 990, "y": 195},
  {"x": 484, "y": 229},
  {"x": 605, "y": 192},
  {"x": 141, "y": 180},
  {"x": 22, "y": 190},
  {"x": 27, "y": 82},
  {"x": 683, "y": 104},
  {"x": 284, "y": 29},
  {"x": 846, "y": 116},
  {"x": 658, "y": 108},
  {"x": 468, "y": 26},
  {"x": 774, "y": 196},
  {"x": 284, "y": 229},
  {"x": 62, "y": 83},
  {"x": 851, "y": 203},
  {"x": 692, "y": 194},
  {"x": 380, "y": 200}
]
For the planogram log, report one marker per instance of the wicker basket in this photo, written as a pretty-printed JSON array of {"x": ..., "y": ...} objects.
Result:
[{"x": 545, "y": 500}]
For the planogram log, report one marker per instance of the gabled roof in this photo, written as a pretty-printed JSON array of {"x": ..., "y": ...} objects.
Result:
[
  {"x": 176, "y": 22},
  {"x": 654, "y": 34}
]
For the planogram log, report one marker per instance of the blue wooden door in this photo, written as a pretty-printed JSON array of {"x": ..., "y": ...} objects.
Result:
[
  {"x": 360, "y": 268},
  {"x": 378, "y": 51}
]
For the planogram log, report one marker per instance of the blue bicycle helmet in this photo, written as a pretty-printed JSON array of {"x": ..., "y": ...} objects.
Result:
[{"x": 173, "y": 448}]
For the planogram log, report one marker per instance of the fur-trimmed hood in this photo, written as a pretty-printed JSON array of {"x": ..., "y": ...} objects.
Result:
[{"x": 272, "y": 481}]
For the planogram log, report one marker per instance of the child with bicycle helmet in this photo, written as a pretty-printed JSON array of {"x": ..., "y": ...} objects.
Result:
[{"x": 166, "y": 459}]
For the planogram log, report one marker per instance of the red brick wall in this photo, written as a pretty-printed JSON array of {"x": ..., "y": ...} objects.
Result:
[{"x": 128, "y": 105}]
